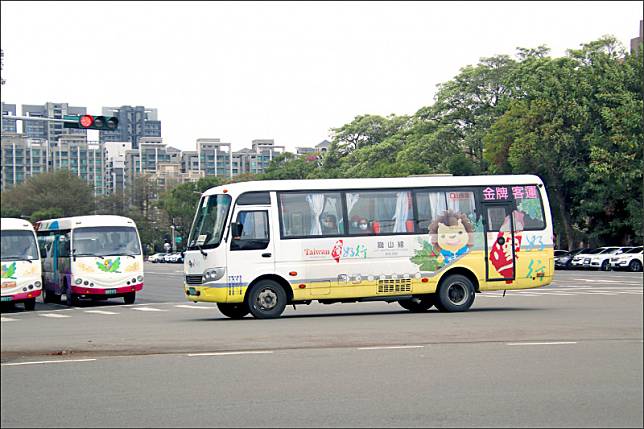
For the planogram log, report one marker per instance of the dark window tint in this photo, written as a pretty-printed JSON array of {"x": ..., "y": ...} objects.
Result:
[{"x": 251, "y": 198}]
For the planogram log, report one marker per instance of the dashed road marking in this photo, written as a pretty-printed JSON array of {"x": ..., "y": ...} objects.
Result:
[
  {"x": 254, "y": 352},
  {"x": 193, "y": 307},
  {"x": 54, "y": 315},
  {"x": 7, "y": 319},
  {"x": 552, "y": 343},
  {"x": 148, "y": 309},
  {"x": 390, "y": 347},
  {"x": 47, "y": 361},
  {"x": 100, "y": 312}
]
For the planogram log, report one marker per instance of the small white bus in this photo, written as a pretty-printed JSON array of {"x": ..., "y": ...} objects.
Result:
[
  {"x": 21, "y": 274},
  {"x": 96, "y": 257},
  {"x": 255, "y": 247}
]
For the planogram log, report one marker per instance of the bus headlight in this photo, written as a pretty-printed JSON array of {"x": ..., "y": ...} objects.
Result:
[
  {"x": 140, "y": 278},
  {"x": 79, "y": 281},
  {"x": 214, "y": 274},
  {"x": 37, "y": 284}
]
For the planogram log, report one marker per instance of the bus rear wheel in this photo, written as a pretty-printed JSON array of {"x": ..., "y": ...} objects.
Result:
[
  {"x": 418, "y": 305},
  {"x": 267, "y": 300},
  {"x": 455, "y": 293},
  {"x": 234, "y": 311},
  {"x": 48, "y": 296}
]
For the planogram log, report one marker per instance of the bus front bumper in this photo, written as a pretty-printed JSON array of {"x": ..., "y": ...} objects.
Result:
[
  {"x": 21, "y": 296},
  {"x": 99, "y": 291}
]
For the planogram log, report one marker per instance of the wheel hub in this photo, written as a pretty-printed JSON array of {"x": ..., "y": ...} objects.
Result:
[
  {"x": 267, "y": 299},
  {"x": 457, "y": 293}
]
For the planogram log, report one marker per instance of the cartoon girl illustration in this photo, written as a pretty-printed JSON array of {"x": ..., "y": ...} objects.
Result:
[{"x": 451, "y": 234}]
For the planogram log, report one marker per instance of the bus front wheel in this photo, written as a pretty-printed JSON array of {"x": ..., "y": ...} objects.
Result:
[
  {"x": 417, "y": 305},
  {"x": 234, "y": 311},
  {"x": 129, "y": 297},
  {"x": 30, "y": 304},
  {"x": 267, "y": 300},
  {"x": 455, "y": 293}
]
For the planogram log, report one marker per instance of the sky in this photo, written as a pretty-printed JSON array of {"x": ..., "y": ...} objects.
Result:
[{"x": 288, "y": 71}]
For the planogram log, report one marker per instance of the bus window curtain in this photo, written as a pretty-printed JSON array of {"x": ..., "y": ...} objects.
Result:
[
  {"x": 316, "y": 204},
  {"x": 402, "y": 212}
]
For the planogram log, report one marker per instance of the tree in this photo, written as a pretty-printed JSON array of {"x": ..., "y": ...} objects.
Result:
[{"x": 59, "y": 189}]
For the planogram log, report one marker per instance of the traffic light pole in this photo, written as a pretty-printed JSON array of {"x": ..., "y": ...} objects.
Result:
[{"x": 38, "y": 118}]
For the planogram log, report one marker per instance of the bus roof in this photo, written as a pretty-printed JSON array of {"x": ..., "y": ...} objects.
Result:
[
  {"x": 375, "y": 183},
  {"x": 83, "y": 221},
  {"x": 7, "y": 223}
]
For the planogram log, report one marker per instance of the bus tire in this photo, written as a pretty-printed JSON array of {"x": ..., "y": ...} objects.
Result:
[
  {"x": 234, "y": 311},
  {"x": 71, "y": 298},
  {"x": 418, "y": 305},
  {"x": 30, "y": 304},
  {"x": 267, "y": 299},
  {"x": 48, "y": 296},
  {"x": 129, "y": 297},
  {"x": 455, "y": 293}
]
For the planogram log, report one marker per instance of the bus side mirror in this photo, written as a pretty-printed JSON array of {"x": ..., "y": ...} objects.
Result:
[{"x": 236, "y": 229}]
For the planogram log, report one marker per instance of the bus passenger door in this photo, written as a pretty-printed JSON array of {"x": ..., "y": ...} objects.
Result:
[
  {"x": 252, "y": 252},
  {"x": 500, "y": 242}
]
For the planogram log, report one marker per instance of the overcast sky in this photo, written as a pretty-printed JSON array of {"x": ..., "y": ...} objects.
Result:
[{"x": 287, "y": 71}]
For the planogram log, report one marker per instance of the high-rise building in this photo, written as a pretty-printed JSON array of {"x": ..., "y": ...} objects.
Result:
[
  {"x": 214, "y": 158},
  {"x": 148, "y": 156},
  {"x": 9, "y": 125},
  {"x": 115, "y": 165},
  {"x": 20, "y": 158},
  {"x": 50, "y": 131},
  {"x": 135, "y": 123},
  {"x": 256, "y": 159},
  {"x": 85, "y": 159}
]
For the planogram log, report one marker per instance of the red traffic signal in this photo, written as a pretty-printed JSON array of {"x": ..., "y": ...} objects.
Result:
[
  {"x": 86, "y": 121},
  {"x": 89, "y": 122}
]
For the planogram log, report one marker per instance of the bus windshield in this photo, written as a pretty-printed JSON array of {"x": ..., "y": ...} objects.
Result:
[
  {"x": 208, "y": 226},
  {"x": 106, "y": 241},
  {"x": 18, "y": 245}
]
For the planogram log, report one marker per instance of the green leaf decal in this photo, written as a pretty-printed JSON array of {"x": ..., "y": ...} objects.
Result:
[
  {"x": 8, "y": 271},
  {"x": 109, "y": 265}
]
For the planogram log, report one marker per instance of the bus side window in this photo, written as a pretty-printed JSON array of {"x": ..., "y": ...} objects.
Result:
[{"x": 254, "y": 235}]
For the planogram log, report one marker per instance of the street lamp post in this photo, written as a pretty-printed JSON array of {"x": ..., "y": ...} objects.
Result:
[{"x": 174, "y": 243}]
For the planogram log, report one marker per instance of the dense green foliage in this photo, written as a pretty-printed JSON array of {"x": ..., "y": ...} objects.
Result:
[{"x": 575, "y": 121}]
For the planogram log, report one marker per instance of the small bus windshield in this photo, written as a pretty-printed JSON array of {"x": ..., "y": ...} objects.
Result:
[
  {"x": 18, "y": 245},
  {"x": 208, "y": 227},
  {"x": 106, "y": 241}
]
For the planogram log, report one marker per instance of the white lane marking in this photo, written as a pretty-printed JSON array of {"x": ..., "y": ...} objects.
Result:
[
  {"x": 148, "y": 309},
  {"x": 100, "y": 312},
  {"x": 598, "y": 280},
  {"x": 541, "y": 344},
  {"x": 7, "y": 319},
  {"x": 47, "y": 361},
  {"x": 256, "y": 352},
  {"x": 55, "y": 316},
  {"x": 390, "y": 347},
  {"x": 193, "y": 307}
]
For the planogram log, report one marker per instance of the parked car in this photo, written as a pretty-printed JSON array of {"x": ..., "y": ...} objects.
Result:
[
  {"x": 176, "y": 258},
  {"x": 564, "y": 261},
  {"x": 598, "y": 258},
  {"x": 629, "y": 260},
  {"x": 157, "y": 257}
]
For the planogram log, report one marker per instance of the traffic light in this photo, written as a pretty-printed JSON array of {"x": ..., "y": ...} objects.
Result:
[{"x": 89, "y": 122}]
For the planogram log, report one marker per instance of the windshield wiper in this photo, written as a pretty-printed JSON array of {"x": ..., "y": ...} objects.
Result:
[{"x": 88, "y": 254}]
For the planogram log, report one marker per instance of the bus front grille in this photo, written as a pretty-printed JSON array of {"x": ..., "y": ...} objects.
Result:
[
  {"x": 394, "y": 285},
  {"x": 194, "y": 280}
]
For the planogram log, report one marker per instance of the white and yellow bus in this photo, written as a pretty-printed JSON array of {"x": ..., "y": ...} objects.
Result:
[
  {"x": 21, "y": 278},
  {"x": 96, "y": 257},
  {"x": 255, "y": 247}
]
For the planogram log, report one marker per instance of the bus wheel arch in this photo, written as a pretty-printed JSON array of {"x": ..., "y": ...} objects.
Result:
[
  {"x": 456, "y": 290},
  {"x": 267, "y": 296}
]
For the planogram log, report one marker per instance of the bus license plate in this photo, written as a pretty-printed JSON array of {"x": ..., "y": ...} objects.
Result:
[
  {"x": 110, "y": 291},
  {"x": 6, "y": 298},
  {"x": 192, "y": 291}
]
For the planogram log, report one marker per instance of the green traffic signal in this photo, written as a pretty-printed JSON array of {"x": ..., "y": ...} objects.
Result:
[{"x": 89, "y": 122}]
